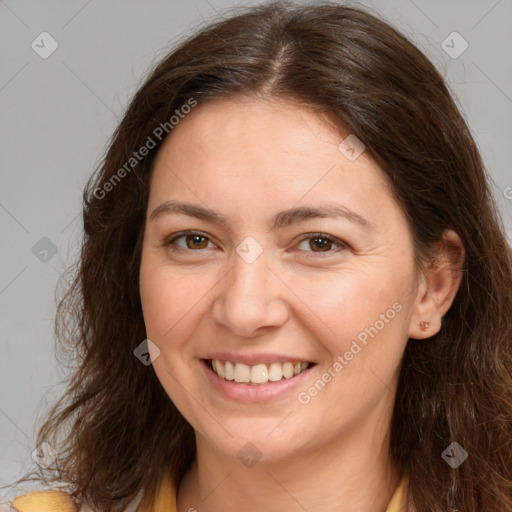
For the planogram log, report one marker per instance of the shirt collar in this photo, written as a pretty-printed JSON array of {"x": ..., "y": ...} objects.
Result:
[{"x": 166, "y": 497}]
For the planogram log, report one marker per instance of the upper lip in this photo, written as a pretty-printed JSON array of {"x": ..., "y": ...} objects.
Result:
[{"x": 253, "y": 359}]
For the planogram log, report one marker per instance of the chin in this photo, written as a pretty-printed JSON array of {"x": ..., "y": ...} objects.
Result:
[{"x": 250, "y": 445}]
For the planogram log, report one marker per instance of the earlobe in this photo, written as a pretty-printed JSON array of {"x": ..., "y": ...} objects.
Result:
[
  {"x": 438, "y": 288},
  {"x": 424, "y": 325}
]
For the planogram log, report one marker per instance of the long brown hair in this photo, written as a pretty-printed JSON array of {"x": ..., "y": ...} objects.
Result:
[{"x": 122, "y": 432}]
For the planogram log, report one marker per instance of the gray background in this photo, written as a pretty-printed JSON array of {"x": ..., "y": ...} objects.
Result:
[{"x": 57, "y": 114}]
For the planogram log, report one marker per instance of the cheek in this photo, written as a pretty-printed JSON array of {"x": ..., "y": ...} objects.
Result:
[
  {"x": 166, "y": 301},
  {"x": 361, "y": 329},
  {"x": 348, "y": 302}
]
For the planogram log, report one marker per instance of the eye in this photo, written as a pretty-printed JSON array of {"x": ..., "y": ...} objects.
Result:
[
  {"x": 193, "y": 240},
  {"x": 323, "y": 243}
]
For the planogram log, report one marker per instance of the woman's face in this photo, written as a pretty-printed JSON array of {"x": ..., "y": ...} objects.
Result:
[{"x": 258, "y": 284}]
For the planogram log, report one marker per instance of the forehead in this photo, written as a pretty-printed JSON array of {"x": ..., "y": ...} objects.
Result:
[
  {"x": 249, "y": 134},
  {"x": 274, "y": 153},
  {"x": 237, "y": 116}
]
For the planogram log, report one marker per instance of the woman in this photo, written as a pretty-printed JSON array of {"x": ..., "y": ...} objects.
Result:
[{"x": 294, "y": 288}]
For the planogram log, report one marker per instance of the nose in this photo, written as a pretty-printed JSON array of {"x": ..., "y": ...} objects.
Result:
[{"x": 251, "y": 298}]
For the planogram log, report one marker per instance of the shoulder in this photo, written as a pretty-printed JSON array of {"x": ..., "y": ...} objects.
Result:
[
  {"x": 55, "y": 501},
  {"x": 45, "y": 501},
  {"x": 401, "y": 499}
]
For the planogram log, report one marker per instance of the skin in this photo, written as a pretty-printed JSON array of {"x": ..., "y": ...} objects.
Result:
[{"x": 248, "y": 159}]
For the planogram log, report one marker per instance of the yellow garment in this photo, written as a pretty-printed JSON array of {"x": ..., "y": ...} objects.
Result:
[{"x": 59, "y": 501}]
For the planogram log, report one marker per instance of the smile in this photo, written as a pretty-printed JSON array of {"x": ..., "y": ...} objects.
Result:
[{"x": 257, "y": 374}]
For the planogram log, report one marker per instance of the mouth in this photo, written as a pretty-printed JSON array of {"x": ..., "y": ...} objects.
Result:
[{"x": 259, "y": 374}]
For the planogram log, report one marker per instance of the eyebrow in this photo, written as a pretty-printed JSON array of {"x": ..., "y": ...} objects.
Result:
[{"x": 281, "y": 219}]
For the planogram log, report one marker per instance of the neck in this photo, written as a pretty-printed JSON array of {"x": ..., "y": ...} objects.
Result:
[{"x": 351, "y": 473}]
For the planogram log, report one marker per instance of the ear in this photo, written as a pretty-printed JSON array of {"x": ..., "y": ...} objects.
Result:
[{"x": 438, "y": 285}]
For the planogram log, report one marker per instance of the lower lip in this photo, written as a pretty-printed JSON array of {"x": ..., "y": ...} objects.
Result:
[{"x": 251, "y": 393}]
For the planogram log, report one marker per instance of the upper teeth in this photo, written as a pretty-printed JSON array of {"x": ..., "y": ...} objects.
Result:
[{"x": 257, "y": 374}]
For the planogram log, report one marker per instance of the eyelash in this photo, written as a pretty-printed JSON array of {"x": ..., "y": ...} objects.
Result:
[{"x": 342, "y": 245}]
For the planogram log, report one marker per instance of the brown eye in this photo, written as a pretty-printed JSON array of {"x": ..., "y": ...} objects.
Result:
[
  {"x": 320, "y": 243},
  {"x": 196, "y": 241},
  {"x": 193, "y": 241},
  {"x": 323, "y": 243}
]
